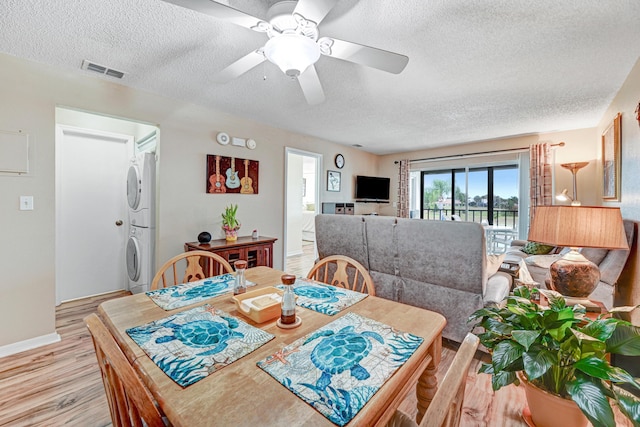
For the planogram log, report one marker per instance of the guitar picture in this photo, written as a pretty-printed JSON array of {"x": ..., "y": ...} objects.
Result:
[
  {"x": 246, "y": 182},
  {"x": 232, "y": 175},
  {"x": 217, "y": 180}
]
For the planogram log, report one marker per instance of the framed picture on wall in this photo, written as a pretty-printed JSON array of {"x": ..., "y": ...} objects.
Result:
[
  {"x": 333, "y": 181},
  {"x": 231, "y": 175},
  {"x": 611, "y": 160}
]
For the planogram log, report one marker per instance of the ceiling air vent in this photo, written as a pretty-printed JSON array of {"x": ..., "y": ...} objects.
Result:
[{"x": 90, "y": 66}]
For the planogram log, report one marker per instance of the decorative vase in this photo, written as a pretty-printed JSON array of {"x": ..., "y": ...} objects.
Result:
[
  {"x": 549, "y": 410},
  {"x": 231, "y": 234},
  {"x": 204, "y": 237}
]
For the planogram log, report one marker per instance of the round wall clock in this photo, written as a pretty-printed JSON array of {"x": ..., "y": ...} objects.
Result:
[{"x": 339, "y": 161}]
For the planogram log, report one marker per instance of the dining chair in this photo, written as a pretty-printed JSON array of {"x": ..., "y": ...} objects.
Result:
[
  {"x": 130, "y": 402},
  {"x": 445, "y": 409},
  {"x": 343, "y": 271},
  {"x": 199, "y": 265}
]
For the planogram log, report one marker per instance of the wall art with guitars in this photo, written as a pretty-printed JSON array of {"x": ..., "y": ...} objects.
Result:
[{"x": 231, "y": 175}]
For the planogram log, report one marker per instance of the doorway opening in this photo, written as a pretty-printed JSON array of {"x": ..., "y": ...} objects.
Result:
[
  {"x": 302, "y": 204},
  {"x": 93, "y": 155}
]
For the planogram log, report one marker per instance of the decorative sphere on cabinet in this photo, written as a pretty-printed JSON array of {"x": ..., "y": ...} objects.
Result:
[{"x": 204, "y": 237}]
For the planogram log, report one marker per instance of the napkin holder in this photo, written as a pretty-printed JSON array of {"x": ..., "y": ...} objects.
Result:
[{"x": 263, "y": 314}]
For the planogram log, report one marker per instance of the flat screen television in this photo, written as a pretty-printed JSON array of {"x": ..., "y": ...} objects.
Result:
[{"x": 372, "y": 189}]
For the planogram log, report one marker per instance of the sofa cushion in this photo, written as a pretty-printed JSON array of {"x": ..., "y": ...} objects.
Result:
[
  {"x": 535, "y": 248},
  {"x": 595, "y": 255},
  {"x": 543, "y": 261}
]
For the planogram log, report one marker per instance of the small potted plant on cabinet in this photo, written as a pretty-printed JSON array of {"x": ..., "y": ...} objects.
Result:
[
  {"x": 230, "y": 223},
  {"x": 558, "y": 352}
]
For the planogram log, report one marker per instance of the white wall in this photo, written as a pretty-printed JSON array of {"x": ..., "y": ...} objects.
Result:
[
  {"x": 580, "y": 145},
  {"x": 625, "y": 102},
  {"x": 31, "y": 93}
]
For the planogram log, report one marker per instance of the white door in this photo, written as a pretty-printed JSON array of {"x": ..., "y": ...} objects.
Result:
[{"x": 91, "y": 221}]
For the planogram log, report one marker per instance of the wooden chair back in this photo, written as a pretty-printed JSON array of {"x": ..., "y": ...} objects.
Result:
[
  {"x": 199, "y": 265},
  {"x": 445, "y": 409},
  {"x": 130, "y": 402},
  {"x": 343, "y": 271}
]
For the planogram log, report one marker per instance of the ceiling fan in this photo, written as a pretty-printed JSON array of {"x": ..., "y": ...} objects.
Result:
[{"x": 294, "y": 44}]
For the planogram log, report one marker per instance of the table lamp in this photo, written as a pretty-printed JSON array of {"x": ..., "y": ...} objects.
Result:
[{"x": 577, "y": 227}]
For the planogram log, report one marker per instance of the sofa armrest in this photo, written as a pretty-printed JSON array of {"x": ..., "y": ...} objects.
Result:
[
  {"x": 497, "y": 289},
  {"x": 518, "y": 243}
]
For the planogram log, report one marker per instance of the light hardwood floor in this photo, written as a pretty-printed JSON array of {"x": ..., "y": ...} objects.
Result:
[{"x": 60, "y": 384}]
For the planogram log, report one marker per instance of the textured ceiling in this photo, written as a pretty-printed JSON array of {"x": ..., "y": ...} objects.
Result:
[{"x": 478, "y": 69}]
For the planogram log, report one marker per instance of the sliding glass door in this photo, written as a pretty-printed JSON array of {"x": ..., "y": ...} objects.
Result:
[{"x": 486, "y": 195}]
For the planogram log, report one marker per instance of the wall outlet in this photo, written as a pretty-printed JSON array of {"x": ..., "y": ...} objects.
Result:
[{"x": 26, "y": 203}]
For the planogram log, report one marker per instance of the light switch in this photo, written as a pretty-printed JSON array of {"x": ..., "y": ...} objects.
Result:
[{"x": 26, "y": 203}]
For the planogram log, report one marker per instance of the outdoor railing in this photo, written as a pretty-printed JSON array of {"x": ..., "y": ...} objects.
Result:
[{"x": 501, "y": 217}]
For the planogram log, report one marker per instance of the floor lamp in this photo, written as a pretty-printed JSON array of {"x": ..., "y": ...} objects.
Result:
[{"x": 574, "y": 168}]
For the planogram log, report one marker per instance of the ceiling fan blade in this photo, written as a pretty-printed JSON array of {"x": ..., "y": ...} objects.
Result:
[
  {"x": 311, "y": 87},
  {"x": 221, "y": 11},
  {"x": 240, "y": 67},
  {"x": 314, "y": 10},
  {"x": 365, "y": 55}
]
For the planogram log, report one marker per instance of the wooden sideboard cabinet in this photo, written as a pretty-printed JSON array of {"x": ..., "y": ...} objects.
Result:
[{"x": 255, "y": 251}]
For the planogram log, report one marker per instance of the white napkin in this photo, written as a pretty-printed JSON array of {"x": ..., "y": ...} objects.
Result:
[{"x": 248, "y": 304}]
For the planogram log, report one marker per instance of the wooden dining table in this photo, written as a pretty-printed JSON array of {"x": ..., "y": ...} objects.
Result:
[{"x": 243, "y": 394}]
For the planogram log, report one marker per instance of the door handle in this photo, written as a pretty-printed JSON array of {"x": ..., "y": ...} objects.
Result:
[{"x": 119, "y": 222}]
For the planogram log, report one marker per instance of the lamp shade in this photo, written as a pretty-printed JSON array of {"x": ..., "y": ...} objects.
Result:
[
  {"x": 579, "y": 227},
  {"x": 292, "y": 53}
]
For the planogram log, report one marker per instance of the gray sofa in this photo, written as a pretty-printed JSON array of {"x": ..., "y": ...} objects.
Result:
[
  {"x": 610, "y": 263},
  {"x": 437, "y": 265}
]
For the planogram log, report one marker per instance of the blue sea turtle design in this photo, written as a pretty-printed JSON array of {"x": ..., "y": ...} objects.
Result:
[
  {"x": 318, "y": 292},
  {"x": 204, "y": 333},
  {"x": 209, "y": 287},
  {"x": 341, "y": 351}
]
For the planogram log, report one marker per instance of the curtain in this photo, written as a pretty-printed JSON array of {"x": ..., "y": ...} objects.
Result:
[
  {"x": 540, "y": 173},
  {"x": 403, "y": 189}
]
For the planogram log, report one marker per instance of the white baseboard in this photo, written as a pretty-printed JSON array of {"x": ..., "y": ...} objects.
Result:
[{"x": 8, "y": 350}]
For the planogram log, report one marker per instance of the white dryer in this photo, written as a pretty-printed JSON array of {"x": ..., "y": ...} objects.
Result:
[
  {"x": 141, "y": 190},
  {"x": 139, "y": 258}
]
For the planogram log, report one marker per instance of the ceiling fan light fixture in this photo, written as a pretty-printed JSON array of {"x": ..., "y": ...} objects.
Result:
[{"x": 292, "y": 53}]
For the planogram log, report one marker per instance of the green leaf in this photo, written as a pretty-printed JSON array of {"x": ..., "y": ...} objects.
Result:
[
  {"x": 629, "y": 406},
  {"x": 600, "y": 329},
  {"x": 537, "y": 363},
  {"x": 590, "y": 398},
  {"x": 501, "y": 379},
  {"x": 484, "y": 312},
  {"x": 602, "y": 369},
  {"x": 486, "y": 368},
  {"x": 505, "y": 354},
  {"x": 496, "y": 326},
  {"x": 525, "y": 338},
  {"x": 625, "y": 340}
]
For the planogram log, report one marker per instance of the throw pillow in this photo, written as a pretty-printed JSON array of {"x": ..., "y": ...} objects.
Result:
[
  {"x": 493, "y": 264},
  {"x": 534, "y": 248}
]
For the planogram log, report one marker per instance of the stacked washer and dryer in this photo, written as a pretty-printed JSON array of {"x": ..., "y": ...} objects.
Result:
[{"x": 141, "y": 190}]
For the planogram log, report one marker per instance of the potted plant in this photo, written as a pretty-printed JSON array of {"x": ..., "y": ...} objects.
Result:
[
  {"x": 560, "y": 351},
  {"x": 230, "y": 223}
]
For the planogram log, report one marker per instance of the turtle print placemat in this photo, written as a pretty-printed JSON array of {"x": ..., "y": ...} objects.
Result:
[
  {"x": 323, "y": 298},
  {"x": 194, "y": 343},
  {"x": 337, "y": 368},
  {"x": 189, "y": 293}
]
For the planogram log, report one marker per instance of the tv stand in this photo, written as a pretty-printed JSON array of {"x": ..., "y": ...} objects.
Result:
[{"x": 338, "y": 208}]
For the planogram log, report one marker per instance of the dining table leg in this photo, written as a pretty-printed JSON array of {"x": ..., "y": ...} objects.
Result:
[{"x": 428, "y": 382}]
